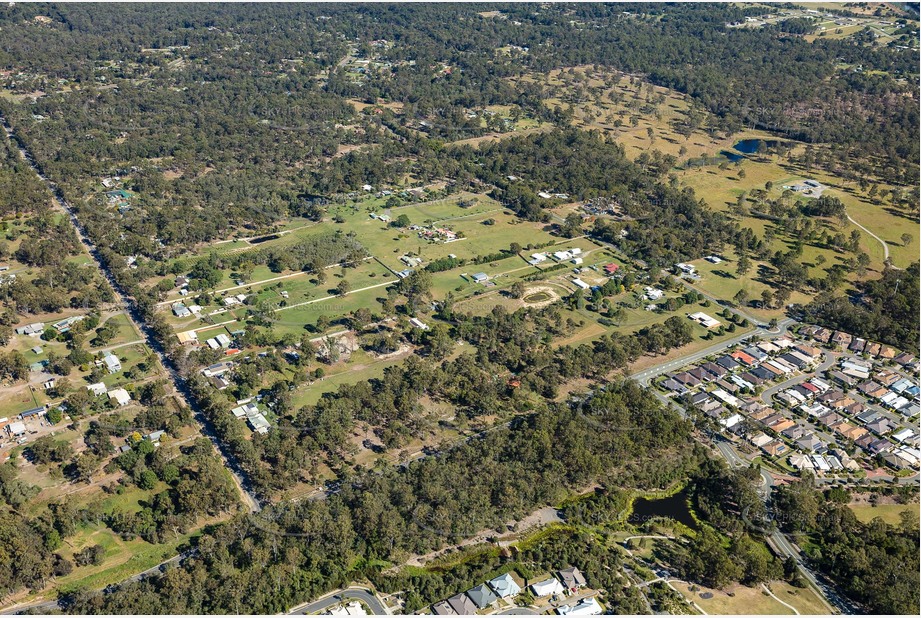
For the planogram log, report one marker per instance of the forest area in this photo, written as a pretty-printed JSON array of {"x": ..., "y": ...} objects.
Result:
[{"x": 184, "y": 136}]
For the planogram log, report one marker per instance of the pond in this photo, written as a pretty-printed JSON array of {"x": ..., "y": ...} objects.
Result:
[
  {"x": 748, "y": 146},
  {"x": 674, "y": 507},
  {"x": 734, "y": 157}
]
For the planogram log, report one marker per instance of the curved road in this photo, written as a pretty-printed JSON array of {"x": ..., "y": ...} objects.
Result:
[{"x": 364, "y": 595}]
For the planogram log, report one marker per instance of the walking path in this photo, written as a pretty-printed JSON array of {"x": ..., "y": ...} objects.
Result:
[
  {"x": 881, "y": 241},
  {"x": 773, "y": 596}
]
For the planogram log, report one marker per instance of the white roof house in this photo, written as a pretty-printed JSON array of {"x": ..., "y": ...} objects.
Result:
[
  {"x": 245, "y": 410},
  {"x": 704, "y": 320},
  {"x": 726, "y": 398},
  {"x": 16, "y": 428},
  {"x": 120, "y": 396},
  {"x": 112, "y": 363},
  {"x": 585, "y": 607},
  {"x": 418, "y": 323},
  {"x": 97, "y": 389},
  {"x": 580, "y": 284},
  {"x": 504, "y": 586},
  {"x": 547, "y": 587}
]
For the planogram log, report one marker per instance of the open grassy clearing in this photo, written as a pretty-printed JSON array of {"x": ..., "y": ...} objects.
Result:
[
  {"x": 744, "y": 600},
  {"x": 889, "y": 513},
  {"x": 720, "y": 189}
]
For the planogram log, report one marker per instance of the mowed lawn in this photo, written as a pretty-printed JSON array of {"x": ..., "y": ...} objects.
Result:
[
  {"x": 889, "y": 513},
  {"x": 754, "y": 601}
]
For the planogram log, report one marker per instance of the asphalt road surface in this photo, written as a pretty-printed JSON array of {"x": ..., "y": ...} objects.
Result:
[
  {"x": 131, "y": 310},
  {"x": 364, "y": 595}
]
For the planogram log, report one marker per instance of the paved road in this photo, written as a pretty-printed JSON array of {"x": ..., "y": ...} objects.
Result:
[
  {"x": 364, "y": 595},
  {"x": 134, "y": 314},
  {"x": 830, "y": 359},
  {"x": 646, "y": 376},
  {"x": 49, "y": 606},
  {"x": 778, "y": 541}
]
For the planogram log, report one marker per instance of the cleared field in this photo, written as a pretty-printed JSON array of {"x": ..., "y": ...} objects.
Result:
[
  {"x": 889, "y": 513},
  {"x": 744, "y": 600},
  {"x": 361, "y": 366}
]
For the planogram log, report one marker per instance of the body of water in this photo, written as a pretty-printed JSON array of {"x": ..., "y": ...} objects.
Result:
[
  {"x": 674, "y": 507},
  {"x": 748, "y": 146}
]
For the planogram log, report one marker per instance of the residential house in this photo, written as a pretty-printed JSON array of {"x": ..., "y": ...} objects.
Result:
[
  {"x": 462, "y": 605},
  {"x": 572, "y": 578},
  {"x": 98, "y": 389},
  {"x": 687, "y": 379},
  {"x": 857, "y": 345},
  {"x": 887, "y": 353},
  {"x": 547, "y": 587},
  {"x": 801, "y": 462},
  {"x": 775, "y": 448},
  {"x": 799, "y": 363},
  {"x": 727, "y": 362},
  {"x": 715, "y": 369},
  {"x": 32, "y": 330},
  {"x": 113, "y": 365},
  {"x": 760, "y": 439},
  {"x": 586, "y": 607},
  {"x": 808, "y": 351},
  {"x": 744, "y": 358},
  {"x": 701, "y": 374},
  {"x": 482, "y": 596},
  {"x": 674, "y": 386},
  {"x": 868, "y": 416},
  {"x": 504, "y": 586},
  {"x": 441, "y": 608},
  {"x": 795, "y": 432},
  {"x": 120, "y": 396},
  {"x": 843, "y": 379},
  {"x": 841, "y": 339}
]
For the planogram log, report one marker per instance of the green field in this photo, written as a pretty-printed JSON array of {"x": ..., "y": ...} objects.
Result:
[{"x": 889, "y": 513}]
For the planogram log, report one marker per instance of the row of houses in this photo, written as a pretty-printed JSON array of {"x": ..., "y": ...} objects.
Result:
[
  {"x": 842, "y": 340},
  {"x": 486, "y": 595},
  {"x": 745, "y": 369},
  {"x": 36, "y": 329}
]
